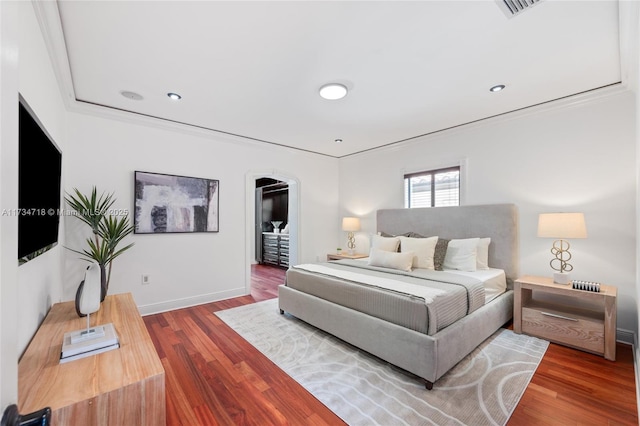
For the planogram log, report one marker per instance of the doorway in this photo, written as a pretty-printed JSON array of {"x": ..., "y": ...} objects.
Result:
[
  {"x": 271, "y": 238},
  {"x": 272, "y": 212},
  {"x": 272, "y": 222}
]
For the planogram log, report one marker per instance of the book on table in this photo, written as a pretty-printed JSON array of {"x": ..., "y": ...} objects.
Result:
[{"x": 90, "y": 346}]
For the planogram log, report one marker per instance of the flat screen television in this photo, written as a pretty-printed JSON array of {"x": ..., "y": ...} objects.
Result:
[{"x": 39, "y": 177}]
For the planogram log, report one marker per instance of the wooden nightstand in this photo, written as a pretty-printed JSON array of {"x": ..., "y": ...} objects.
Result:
[
  {"x": 581, "y": 319},
  {"x": 345, "y": 256}
]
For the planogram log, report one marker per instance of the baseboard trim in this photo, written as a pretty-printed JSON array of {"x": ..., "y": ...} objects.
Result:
[
  {"x": 631, "y": 338},
  {"x": 156, "y": 308},
  {"x": 626, "y": 336}
]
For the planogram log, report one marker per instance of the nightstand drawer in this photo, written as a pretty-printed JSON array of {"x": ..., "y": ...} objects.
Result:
[{"x": 577, "y": 329}]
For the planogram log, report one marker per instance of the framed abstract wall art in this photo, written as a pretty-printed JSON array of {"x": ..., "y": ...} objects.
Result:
[{"x": 173, "y": 204}]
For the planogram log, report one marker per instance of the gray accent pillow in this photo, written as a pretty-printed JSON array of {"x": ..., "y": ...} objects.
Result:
[
  {"x": 406, "y": 234},
  {"x": 439, "y": 254},
  {"x": 386, "y": 235}
]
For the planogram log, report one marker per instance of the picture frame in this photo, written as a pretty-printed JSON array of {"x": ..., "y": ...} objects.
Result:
[{"x": 165, "y": 204}]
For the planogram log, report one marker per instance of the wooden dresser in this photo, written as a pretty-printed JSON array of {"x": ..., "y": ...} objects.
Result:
[
  {"x": 275, "y": 249},
  {"x": 124, "y": 386}
]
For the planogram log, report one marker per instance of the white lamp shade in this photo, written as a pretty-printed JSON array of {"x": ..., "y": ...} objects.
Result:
[
  {"x": 350, "y": 224},
  {"x": 562, "y": 225}
]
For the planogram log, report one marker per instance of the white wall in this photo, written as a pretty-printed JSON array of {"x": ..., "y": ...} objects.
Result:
[
  {"x": 630, "y": 22},
  {"x": 637, "y": 138},
  {"x": 26, "y": 292},
  {"x": 9, "y": 36},
  {"x": 188, "y": 269},
  {"x": 576, "y": 158},
  {"x": 39, "y": 280}
]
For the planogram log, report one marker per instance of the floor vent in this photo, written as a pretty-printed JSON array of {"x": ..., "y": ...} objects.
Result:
[{"x": 512, "y": 8}]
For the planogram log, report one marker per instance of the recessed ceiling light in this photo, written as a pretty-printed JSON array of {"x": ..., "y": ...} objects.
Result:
[
  {"x": 174, "y": 96},
  {"x": 333, "y": 91},
  {"x": 131, "y": 95},
  {"x": 338, "y": 140},
  {"x": 497, "y": 88}
]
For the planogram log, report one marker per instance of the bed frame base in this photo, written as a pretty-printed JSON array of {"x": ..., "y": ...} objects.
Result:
[
  {"x": 428, "y": 357},
  {"x": 427, "y": 384}
]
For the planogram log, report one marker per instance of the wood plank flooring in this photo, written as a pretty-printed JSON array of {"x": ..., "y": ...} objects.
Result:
[
  {"x": 213, "y": 376},
  {"x": 265, "y": 280}
]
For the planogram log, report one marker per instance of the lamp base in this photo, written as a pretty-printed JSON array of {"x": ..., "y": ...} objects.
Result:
[{"x": 562, "y": 278}]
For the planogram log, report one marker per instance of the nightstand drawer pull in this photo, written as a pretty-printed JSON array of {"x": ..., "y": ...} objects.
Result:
[{"x": 558, "y": 316}]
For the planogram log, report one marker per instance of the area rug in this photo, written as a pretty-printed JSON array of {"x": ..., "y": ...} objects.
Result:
[{"x": 483, "y": 389}]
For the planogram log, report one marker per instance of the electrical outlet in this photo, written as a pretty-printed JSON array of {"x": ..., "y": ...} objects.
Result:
[{"x": 146, "y": 279}]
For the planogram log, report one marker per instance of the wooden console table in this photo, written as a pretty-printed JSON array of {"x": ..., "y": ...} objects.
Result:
[{"x": 123, "y": 386}]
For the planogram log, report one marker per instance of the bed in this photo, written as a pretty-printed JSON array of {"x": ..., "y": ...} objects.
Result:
[{"x": 391, "y": 313}]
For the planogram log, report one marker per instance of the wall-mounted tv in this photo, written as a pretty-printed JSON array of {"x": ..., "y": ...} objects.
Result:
[{"x": 39, "y": 177}]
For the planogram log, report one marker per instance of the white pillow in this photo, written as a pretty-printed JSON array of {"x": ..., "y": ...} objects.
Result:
[
  {"x": 423, "y": 249},
  {"x": 385, "y": 243},
  {"x": 388, "y": 259},
  {"x": 482, "y": 259},
  {"x": 462, "y": 254}
]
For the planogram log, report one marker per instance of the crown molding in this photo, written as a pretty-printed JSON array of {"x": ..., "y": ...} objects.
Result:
[
  {"x": 48, "y": 17},
  {"x": 571, "y": 101},
  {"x": 629, "y": 22}
]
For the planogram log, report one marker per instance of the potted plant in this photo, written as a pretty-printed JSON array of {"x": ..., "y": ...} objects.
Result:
[{"x": 108, "y": 230}]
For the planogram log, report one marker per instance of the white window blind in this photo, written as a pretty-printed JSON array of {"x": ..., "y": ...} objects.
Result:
[{"x": 433, "y": 188}]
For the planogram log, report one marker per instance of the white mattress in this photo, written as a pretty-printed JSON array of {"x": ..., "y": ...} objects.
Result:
[{"x": 495, "y": 280}]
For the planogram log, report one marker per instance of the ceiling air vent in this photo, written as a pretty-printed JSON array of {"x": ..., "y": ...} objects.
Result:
[{"x": 512, "y": 8}]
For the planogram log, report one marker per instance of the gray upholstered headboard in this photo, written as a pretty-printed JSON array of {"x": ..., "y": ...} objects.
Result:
[{"x": 498, "y": 221}]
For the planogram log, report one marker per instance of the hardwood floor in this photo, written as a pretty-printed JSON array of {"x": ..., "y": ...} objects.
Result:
[
  {"x": 571, "y": 387},
  {"x": 265, "y": 280},
  {"x": 213, "y": 376}
]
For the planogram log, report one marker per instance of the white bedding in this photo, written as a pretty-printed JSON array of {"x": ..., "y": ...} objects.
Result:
[
  {"x": 495, "y": 280},
  {"x": 426, "y": 293}
]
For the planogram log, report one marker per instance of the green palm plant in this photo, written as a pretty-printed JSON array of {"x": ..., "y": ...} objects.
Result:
[{"x": 108, "y": 230}]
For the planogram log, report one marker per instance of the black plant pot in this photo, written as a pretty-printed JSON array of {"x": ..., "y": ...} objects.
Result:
[
  {"x": 104, "y": 286},
  {"x": 103, "y": 290}
]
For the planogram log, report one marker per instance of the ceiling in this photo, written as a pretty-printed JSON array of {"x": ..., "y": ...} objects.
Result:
[{"x": 253, "y": 69}]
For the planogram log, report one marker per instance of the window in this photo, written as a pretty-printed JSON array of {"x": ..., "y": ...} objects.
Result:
[{"x": 434, "y": 188}]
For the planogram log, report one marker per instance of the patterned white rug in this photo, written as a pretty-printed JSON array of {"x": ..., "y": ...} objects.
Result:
[{"x": 483, "y": 389}]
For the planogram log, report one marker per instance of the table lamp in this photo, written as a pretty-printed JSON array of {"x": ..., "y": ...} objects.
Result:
[
  {"x": 561, "y": 226},
  {"x": 351, "y": 224}
]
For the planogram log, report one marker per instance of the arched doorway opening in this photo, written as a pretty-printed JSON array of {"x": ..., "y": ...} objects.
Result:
[{"x": 259, "y": 217}]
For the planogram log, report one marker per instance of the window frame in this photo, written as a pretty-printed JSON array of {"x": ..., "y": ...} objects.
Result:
[{"x": 432, "y": 173}]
